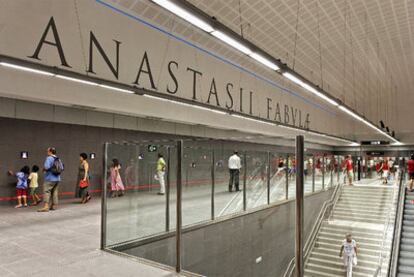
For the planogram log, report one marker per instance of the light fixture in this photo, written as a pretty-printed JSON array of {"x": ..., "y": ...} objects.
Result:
[
  {"x": 366, "y": 122},
  {"x": 319, "y": 94},
  {"x": 27, "y": 69},
  {"x": 309, "y": 88},
  {"x": 117, "y": 89},
  {"x": 264, "y": 61},
  {"x": 76, "y": 80},
  {"x": 232, "y": 42},
  {"x": 187, "y": 16},
  {"x": 293, "y": 78}
]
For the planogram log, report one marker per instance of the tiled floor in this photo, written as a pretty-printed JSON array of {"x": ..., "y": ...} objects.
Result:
[{"x": 61, "y": 243}]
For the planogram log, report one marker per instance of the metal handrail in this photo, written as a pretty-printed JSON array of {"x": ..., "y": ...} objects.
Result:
[
  {"x": 385, "y": 233},
  {"x": 315, "y": 230},
  {"x": 395, "y": 249}
]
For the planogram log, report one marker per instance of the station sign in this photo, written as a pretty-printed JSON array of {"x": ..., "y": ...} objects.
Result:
[{"x": 376, "y": 153}]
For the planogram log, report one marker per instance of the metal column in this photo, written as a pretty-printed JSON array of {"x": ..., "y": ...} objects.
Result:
[
  {"x": 313, "y": 173},
  {"x": 287, "y": 176},
  {"x": 359, "y": 168},
  {"x": 299, "y": 206},
  {"x": 268, "y": 178},
  {"x": 213, "y": 182},
  {"x": 179, "y": 199},
  {"x": 104, "y": 198},
  {"x": 323, "y": 172},
  {"x": 244, "y": 182},
  {"x": 167, "y": 194}
]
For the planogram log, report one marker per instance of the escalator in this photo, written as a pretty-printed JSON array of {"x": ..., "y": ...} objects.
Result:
[{"x": 402, "y": 257}]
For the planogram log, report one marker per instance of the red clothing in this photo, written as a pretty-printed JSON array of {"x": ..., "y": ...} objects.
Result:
[
  {"x": 410, "y": 166},
  {"x": 348, "y": 165},
  {"x": 21, "y": 192},
  {"x": 385, "y": 166}
]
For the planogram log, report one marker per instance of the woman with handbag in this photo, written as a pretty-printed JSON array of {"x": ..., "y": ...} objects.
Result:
[{"x": 83, "y": 178}]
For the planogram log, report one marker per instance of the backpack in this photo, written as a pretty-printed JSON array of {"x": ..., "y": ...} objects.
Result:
[{"x": 57, "y": 167}]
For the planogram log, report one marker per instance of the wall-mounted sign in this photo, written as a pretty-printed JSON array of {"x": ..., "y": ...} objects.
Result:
[
  {"x": 374, "y": 142},
  {"x": 152, "y": 148},
  {"x": 24, "y": 155},
  {"x": 376, "y": 153}
]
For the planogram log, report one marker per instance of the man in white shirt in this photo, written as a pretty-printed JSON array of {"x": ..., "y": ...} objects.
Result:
[{"x": 234, "y": 167}]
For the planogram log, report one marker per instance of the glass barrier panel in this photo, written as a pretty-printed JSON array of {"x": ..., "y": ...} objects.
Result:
[
  {"x": 318, "y": 172},
  {"x": 291, "y": 175},
  {"x": 342, "y": 170},
  {"x": 277, "y": 177},
  {"x": 197, "y": 185},
  {"x": 136, "y": 207},
  {"x": 308, "y": 173},
  {"x": 256, "y": 179},
  {"x": 329, "y": 171},
  {"x": 226, "y": 201}
]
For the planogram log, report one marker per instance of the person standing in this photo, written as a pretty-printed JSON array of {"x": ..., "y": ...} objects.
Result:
[
  {"x": 410, "y": 170},
  {"x": 53, "y": 168},
  {"x": 349, "y": 169},
  {"x": 83, "y": 179},
  {"x": 161, "y": 166},
  {"x": 234, "y": 168},
  {"x": 117, "y": 186},
  {"x": 21, "y": 185},
  {"x": 33, "y": 185}
]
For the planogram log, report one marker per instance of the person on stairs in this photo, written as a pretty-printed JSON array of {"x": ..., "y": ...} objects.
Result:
[
  {"x": 349, "y": 169},
  {"x": 349, "y": 254}
]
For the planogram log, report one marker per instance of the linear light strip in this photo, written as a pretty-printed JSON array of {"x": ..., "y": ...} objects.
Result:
[
  {"x": 85, "y": 82},
  {"x": 27, "y": 69},
  {"x": 187, "y": 16}
]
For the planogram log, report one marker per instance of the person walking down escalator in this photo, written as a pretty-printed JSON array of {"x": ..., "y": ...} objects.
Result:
[
  {"x": 410, "y": 170},
  {"x": 234, "y": 168}
]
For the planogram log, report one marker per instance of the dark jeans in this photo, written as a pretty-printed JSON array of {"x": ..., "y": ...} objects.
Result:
[{"x": 234, "y": 177}]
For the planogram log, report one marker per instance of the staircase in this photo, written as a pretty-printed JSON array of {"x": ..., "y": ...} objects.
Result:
[
  {"x": 362, "y": 211},
  {"x": 406, "y": 255}
]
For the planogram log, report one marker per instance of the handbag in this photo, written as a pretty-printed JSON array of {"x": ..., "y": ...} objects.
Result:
[{"x": 83, "y": 184}]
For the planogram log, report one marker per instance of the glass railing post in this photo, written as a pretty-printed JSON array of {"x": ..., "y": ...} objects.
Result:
[
  {"x": 213, "y": 183},
  {"x": 339, "y": 171},
  {"x": 287, "y": 177},
  {"x": 244, "y": 181},
  {"x": 104, "y": 198},
  {"x": 167, "y": 191},
  {"x": 313, "y": 172},
  {"x": 179, "y": 202},
  {"x": 323, "y": 172},
  {"x": 268, "y": 178}
]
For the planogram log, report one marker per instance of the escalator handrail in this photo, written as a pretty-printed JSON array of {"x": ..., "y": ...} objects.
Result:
[
  {"x": 315, "y": 230},
  {"x": 396, "y": 238}
]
